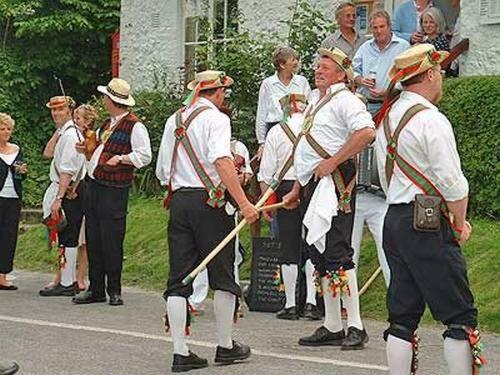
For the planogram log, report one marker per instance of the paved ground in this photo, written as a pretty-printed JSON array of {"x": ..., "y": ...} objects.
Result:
[{"x": 52, "y": 336}]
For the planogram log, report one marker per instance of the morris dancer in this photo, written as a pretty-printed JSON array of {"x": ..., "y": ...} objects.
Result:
[
  {"x": 123, "y": 146},
  {"x": 337, "y": 127},
  {"x": 200, "y": 284},
  {"x": 420, "y": 172},
  {"x": 66, "y": 172},
  {"x": 277, "y": 164},
  {"x": 195, "y": 162}
]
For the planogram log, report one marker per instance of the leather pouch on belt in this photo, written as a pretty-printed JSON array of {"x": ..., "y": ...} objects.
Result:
[{"x": 427, "y": 213}]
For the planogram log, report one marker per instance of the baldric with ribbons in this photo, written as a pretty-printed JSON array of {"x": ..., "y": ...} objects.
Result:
[
  {"x": 295, "y": 140},
  {"x": 394, "y": 158},
  {"x": 345, "y": 189},
  {"x": 215, "y": 193}
]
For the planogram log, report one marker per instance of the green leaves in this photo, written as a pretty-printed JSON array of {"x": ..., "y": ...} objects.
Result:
[{"x": 40, "y": 39}]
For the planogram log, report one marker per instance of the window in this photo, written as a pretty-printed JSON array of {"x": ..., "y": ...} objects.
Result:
[{"x": 208, "y": 20}]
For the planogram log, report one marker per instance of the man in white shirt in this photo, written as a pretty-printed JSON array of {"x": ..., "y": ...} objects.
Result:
[
  {"x": 66, "y": 172},
  {"x": 277, "y": 164},
  {"x": 417, "y": 155},
  {"x": 200, "y": 283},
  {"x": 195, "y": 163},
  {"x": 337, "y": 127},
  {"x": 123, "y": 146}
]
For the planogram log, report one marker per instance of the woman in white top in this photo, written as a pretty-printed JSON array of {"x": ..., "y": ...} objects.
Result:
[
  {"x": 12, "y": 171},
  {"x": 283, "y": 82}
]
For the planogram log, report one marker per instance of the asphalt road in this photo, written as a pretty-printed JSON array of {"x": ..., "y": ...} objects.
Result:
[{"x": 52, "y": 336}]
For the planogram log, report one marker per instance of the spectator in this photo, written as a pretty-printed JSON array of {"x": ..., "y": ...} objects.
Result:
[
  {"x": 407, "y": 20},
  {"x": 346, "y": 37},
  {"x": 85, "y": 116},
  {"x": 12, "y": 171},
  {"x": 433, "y": 27},
  {"x": 272, "y": 89},
  {"x": 374, "y": 59}
]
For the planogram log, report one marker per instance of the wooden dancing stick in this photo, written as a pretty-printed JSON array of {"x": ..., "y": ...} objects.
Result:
[
  {"x": 370, "y": 280},
  {"x": 189, "y": 278},
  {"x": 272, "y": 207}
]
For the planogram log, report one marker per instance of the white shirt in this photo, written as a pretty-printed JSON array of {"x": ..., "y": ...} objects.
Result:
[
  {"x": 269, "y": 107},
  {"x": 8, "y": 190},
  {"x": 66, "y": 159},
  {"x": 139, "y": 140},
  {"x": 427, "y": 143},
  {"x": 210, "y": 136},
  {"x": 277, "y": 150},
  {"x": 239, "y": 148},
  {"x": 332, "y": 126}
]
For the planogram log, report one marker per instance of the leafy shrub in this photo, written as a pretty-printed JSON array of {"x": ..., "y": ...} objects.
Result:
[{"x": 472, "y": 106}]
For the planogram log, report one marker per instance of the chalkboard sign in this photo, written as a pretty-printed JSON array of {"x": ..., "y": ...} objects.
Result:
[{"x": 263, "y": 294}]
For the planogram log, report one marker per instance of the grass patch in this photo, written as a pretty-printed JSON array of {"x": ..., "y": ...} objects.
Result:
[{"x": 146, "y": 263}]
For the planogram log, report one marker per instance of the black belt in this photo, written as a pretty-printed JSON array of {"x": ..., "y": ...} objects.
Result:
[
  {"x": 375, "y": 190},
  {"x": 374, "y": 101},
  {"x": 189, "y": 190}
]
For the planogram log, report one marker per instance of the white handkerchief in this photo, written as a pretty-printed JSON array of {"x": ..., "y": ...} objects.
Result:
[
  {"x": 49, "y": 198},
  {"x": 322, "y": 208}
]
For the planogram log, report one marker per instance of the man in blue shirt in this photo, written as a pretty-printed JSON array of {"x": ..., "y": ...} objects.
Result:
[
  {"x": 375, "y": 58},
  {"x": 407, "y": 20}
]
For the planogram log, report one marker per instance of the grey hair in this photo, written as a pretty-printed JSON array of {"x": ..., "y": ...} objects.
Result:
[
  {"x": 342, "y": 6},
  {"x": 437, "y": 17},
  {"x": 281, "y": 55}
]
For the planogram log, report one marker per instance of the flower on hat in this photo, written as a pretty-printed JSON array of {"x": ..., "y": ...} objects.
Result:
[
  {"x": 346, "y": 63},
  {"x": 433, "y": 56}
]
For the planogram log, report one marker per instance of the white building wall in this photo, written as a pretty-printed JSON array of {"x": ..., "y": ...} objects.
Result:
[
  {"x": 484, "y": 48},
  {"x": 151, "y": 41},
  {"x": 265, "y": 16}
]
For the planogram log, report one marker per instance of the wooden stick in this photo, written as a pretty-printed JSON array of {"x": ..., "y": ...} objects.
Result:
[
  {"x": 370, "y": 281},
  {"x": 270, "y": 207},
  {"x": 189, "y": 278}
]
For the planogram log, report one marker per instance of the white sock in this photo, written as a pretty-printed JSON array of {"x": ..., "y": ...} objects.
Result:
[
  {"x": 69, "y": 271},
  {"x": 310, "y": 286},
  {"x": 458, "y": 356},
  {"x": 351, "y": 301},
  {"x": 333, "y": 321},
  {"x": 289, "y": 273},
  {"x": 399, "y": 355},
  {"x": 224, "y": 304},
  {"x": 177, "y": 315}
]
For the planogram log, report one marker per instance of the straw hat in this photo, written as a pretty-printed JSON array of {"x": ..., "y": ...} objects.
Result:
[
  {"x": 339, "y": 58},
  {"x": 118, "y": 90},
  {"x": 210, "y": 79},
  {"x": 416, "y": 60},
  {"x": 61, "y": 101}
]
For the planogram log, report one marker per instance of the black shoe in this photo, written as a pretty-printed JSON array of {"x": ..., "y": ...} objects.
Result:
[
  {"x": 322, "y": 336},
  {"x": 183, "y": 363},
  {"x": 289, "y": 313},
  {"x": 115, "y": 300},
  {"x": 311, "y": 312},
  {"x": 8, "y": 287},
  {"x": 87, "y": 297},
  {"x": 58, "y": 290},
  {"x": 355, "y": 340},
  {"x": 8, "y": 367},
  {"x": 239, "y": 352}
]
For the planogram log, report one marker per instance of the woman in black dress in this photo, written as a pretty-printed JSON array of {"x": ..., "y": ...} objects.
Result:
[{"x": 12, "y": 171}]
